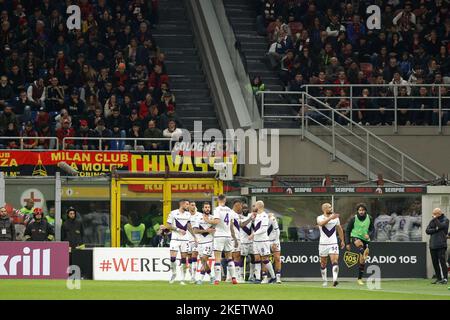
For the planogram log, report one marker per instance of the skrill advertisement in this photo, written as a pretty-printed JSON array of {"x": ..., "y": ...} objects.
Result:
[{"x": 34, "y": 260}]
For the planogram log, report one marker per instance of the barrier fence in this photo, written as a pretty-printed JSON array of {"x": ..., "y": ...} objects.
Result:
[{"x": 440, "y": 98}]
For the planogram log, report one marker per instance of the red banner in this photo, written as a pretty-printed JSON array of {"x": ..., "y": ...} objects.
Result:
[{"x": 92, "y": 163}]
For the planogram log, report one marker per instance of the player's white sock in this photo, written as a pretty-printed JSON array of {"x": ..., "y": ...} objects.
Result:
[
  {"x": 228, "y": 274},
  {"x": 258, "y": 271},
  {"x": 252, "y": 271},
  {"x": 184, "y": 271},
  {"x": 194, "y": 269},
  {"x": 335, "y": 272},
  {"x": 218, "y": 271},
  {"x": 173, "y": 265},
  {"x": 237, "y": 267},
  {"x": 324, "y": 274},
  {"x": 269, "y": 268},
  {"x": 231, "y": 269}
]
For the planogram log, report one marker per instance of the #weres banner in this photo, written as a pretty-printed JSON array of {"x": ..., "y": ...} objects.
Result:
[{"x": 133, "y": 264}]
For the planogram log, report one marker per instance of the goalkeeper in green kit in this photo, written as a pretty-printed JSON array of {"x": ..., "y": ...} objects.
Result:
[{"x": 359, "y": 231}]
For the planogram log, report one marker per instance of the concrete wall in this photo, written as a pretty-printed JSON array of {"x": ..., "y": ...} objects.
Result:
[{"x": 299, "y": 157}]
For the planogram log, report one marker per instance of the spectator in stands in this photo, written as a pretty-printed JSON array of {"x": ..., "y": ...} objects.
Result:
[
  {"x": 172, "y": 131},
  {"x": 423, "y": 106},
  {"x": 61, "y": 118},
  {"x": 121, "y": 80},
  {"x": 76, "y": 106},
  {"x": 279, "y": 48},
  {"x": 271, "y": 11},
  {"x": 344, "y": 109},
  {"x": 445, "y": 104},
  {"x": 23, "y": 103},
  {"x": 364, "y": 109},
  {"x": 139, "y": 92},
  {"x": 156, "y": 78},
  {"x": 6, "y": 92},
  {"x": 134, "y": 133},
  {"x": 403, "y": 104},
  {"x": 42, "y": 118},
  {"x": 165, "y": 92},
  {"x": 100, "y": 131},
  {"x": 54, "y": 98},
  {"x": 144, "y": 106},
  {"x": 45, "y": 131},
  {"x": 117, "y": 132},
  {"x": 31, "y": 134},
  {"x": 36, "y": 92},
  {"x": 152, "y": 132},
  {"x": 398, "y": 81},
  {"x": 116, "y": 120},
  {"x": 16, "y": 79},
  {"x": 334, "y": 27},
  {"x": 405, "y": 20},
  {"x": 153, "y": 115},
  {"x": 83, "y": 132},
  {"x": 110, "y": 104},
  {"x": 341, "y": 81},
  {"x": 168, "y": 116},
  {"x": 66, "y": 131},
  {"x": 385, "y": 105},
  {"x": 167, "y": 100},
  {"x": 11, "y": 131},
  {"x": 6, "y": 117},
  {"x": 68, "y": 80}
]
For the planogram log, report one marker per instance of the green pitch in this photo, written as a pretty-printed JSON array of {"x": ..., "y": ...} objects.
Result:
[{"x": 56, "y": 289}]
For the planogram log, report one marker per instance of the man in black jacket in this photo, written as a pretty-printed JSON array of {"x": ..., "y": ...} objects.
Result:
[
  {"x": 39, "y": 229},
  {"x": 72, "y": 230},
  {"x": 7, "y": 229},
  {"x": 438, "y": 230}
]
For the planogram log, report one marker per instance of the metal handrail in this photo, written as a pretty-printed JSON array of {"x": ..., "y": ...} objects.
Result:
[
  {"x": 21, "y": 139},
  {"x": 102, "y": 139},
  {"x": 368, "y": 134},
  {"x": 334, "y": 134},
  {"x": 351, "y": 97}
]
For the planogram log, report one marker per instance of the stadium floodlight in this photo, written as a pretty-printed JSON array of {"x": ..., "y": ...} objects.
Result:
[{"x": 225, "y": 170}]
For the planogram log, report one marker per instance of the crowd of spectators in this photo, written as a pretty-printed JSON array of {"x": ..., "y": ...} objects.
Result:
[
  {"x": 108, "y": 79},
  {"x": 327, "y": 42}
]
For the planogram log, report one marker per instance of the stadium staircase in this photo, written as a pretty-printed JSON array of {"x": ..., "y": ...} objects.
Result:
[
  {"x": 357, "y": 146},
  {"x": 242, "y": 17},
  {"x": 174, "y": 36}
]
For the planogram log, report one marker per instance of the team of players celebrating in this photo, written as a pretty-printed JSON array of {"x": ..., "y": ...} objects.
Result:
[
  {"x": 234, "y": 235},
  {"x": 230, "y": 235}
]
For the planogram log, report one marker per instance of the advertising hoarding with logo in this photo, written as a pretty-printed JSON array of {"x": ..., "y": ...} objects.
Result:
[
  {"x": 34, "y": 260},
  {"x": 395, "y": 259},
  {"x": 132, "y": 264}
]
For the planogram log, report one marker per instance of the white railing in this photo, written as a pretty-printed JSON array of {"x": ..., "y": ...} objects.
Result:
[
  {"x": 353, "y": 143},
  {"x": 53, "y": 143},
  {"x": 353, "y": 99}
]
